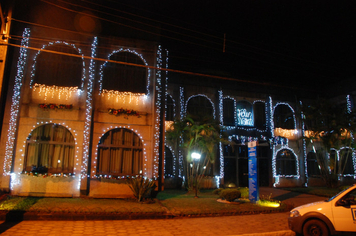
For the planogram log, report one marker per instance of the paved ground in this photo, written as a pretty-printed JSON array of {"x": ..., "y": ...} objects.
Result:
[{"x": 252, "y": 225}]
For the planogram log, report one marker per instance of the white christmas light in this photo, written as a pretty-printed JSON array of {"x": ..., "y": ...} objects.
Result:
[
  {"x": 51, "y": 44},
  {"x": 15, "y": 102}
]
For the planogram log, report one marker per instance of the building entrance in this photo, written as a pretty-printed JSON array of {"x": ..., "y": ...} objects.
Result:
[{"x": 236, "y": 166}]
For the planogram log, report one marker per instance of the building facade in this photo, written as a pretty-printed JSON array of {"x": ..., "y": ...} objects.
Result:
[{"x": 81, "y": 113}]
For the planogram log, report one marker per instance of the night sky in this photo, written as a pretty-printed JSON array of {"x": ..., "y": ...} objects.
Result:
[
  {"x": 306, "y": 44},
  {"x": 301, "y": 44}
]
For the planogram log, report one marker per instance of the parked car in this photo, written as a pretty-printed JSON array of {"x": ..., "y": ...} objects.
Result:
[{"x": 329, "y": 217}]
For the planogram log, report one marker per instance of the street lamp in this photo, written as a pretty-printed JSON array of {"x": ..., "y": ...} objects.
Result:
[{"x": 196, "y": 157}]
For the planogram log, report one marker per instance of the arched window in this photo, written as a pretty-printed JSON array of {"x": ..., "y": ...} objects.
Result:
[
  {"x": 286, "y": 163},
  {"x": 283, "y": 117},
  {"x": 50, "y": 149},
  {"x": 244, "y": 113},
  {"x": 228, "y": 112},
  {"x": 120, "y": 153},
  {"x": 312, "y": 165},
  {"x": 60, "y": 70},
  {"x": 168, "y": 162},
  {"x": 199, "y": 107},
  {"x": 259, "y": 109},
  {"x": 125, "y": 77},
  {"x": 345, "y": 162},
  {"x": 169, "y": 109}
]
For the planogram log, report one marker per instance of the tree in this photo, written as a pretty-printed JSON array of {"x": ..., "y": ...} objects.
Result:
[
  {"x": 330, "y": 127},
  {"x": 199, "y": 136}
]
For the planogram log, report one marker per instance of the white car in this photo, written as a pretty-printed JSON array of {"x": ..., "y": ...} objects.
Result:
[{"x": 332, "y": 216}]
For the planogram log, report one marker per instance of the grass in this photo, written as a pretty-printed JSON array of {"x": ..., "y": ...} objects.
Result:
[
  {"x": 184, "y": 203},
  {"x": 175, "y": 202}
]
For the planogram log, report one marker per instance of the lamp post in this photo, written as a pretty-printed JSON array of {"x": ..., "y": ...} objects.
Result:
[{"x": 196, "y": 157}]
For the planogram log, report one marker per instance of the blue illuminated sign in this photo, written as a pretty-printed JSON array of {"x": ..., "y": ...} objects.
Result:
[{"x": 252, "y": 172}]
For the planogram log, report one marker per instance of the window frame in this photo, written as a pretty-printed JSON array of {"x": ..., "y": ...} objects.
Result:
[
  {"x": 110, "y": 146},
  {"x": 50, "y": 169}
]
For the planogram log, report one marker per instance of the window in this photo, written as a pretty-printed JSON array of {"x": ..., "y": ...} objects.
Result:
[
  {"x": 286, "y": 163},
  {"x": 200, "y": 107},
  {"x": 260, "y": 115},
  {"x": 50, "y": 149},
  {"x": 169, "y": 109},
  {"x": 229, "y": 112},
  {"x": 312, "y": 165},
  {"x": 120, "y": 153},
  {"x": 346, "y": 162},
  {"x": 123, "y": 77},
  {"x": 168, "y": 162},
  {"x": 283, "y": 117},
  {"x": 244, "y": 113},
  {"x": 57, "y": 69}
]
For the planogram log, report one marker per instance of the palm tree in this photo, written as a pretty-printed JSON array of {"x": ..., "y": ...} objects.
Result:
[
  {"x": 200, "y": 136},
  {"x": 332, "y": 127}
]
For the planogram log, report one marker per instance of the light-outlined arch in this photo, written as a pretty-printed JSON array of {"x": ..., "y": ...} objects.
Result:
[
  {"x": 50, "y": 148},
  {"x": 120, "y": 152},
  {"x": 53, "y": 44},
  {"x": 102, "y": 67},
  {"x": 285, "y": 166},
  {"x": 204, "y": 96}
]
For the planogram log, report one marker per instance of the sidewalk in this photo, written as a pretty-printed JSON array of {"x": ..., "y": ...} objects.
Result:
[{"x": 106, "y": 223}]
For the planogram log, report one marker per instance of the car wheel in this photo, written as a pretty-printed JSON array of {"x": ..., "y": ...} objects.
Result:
[{"x": 315, "y": 228}]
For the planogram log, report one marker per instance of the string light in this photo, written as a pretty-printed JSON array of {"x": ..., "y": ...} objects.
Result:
[
  {"x": 101, "y": 73},
  {"x": 15, "y": 102},
  {"x": 95, "y": 161},
  {"x": 15, "y": 177},
  {"x": 53, "y": 91},
  {"x": 88, "y": 110},
  {"x": 201, "y": 95},
  {"x": 181, "y": 102},
  {"x": 221, "y": 152},
  {"x": 297, "y": 175},
  {"x": 51, "y": 44},
  {"x": 337, "y": 153}
]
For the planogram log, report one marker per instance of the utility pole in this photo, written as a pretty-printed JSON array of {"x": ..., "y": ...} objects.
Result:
[{"x": 5, "y": 16}]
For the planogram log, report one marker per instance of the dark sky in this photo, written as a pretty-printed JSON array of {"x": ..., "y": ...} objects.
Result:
[
  {"x": 297, "y": 43},
  {"x": 304, "y": 44}
]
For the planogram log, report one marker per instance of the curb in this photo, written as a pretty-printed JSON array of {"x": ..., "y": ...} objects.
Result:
[{"x": 275, "y": 233}]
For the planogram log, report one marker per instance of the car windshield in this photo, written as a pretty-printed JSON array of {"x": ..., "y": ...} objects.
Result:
[{"x": 330, "y": 199}]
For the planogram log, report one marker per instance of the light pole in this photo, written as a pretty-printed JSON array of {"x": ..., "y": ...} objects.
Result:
[{"x": 196, "y": 157}]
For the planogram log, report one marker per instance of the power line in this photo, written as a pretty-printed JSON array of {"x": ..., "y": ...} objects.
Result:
[{"x": 153, "y": 67}]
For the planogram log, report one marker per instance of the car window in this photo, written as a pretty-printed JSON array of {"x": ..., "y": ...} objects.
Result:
[{"x": 350, "y": 197}]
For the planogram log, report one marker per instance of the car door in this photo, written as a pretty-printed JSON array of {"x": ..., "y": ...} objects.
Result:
[{"x": 344, "y": 212}]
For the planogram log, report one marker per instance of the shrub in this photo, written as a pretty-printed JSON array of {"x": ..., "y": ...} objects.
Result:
[
  {"x": 244, "y": 192},
  {"x": 230, "y": 194},
  {"x": 217, "y": 191},
  {"x": 141, "y": 187}
]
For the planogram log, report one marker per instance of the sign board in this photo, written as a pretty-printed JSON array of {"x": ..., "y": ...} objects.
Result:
[{"x": 252, "y": 172}]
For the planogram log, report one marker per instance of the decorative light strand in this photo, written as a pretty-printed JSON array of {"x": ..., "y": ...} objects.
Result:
[
  {"x": 52, "y": 91},
  {"x": 201, "y": 95},
  {"x": 95, "y": 161},
  {"x": 286, "y": 104},
  {"x": 221, "y": 119},
  {"x": 158, "y": 112},
  {"x": 182, "y": 114},
  {"x": 337, "y": 151},
  {"x": 15, "y": 103},
  {"x": 51, "y": 44},
  {"x": 88, "y": 110},
  {"x": 101, "y": 73},
  {"x": 274, "y": 163},
  {"x": 15, "y": 177}
]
